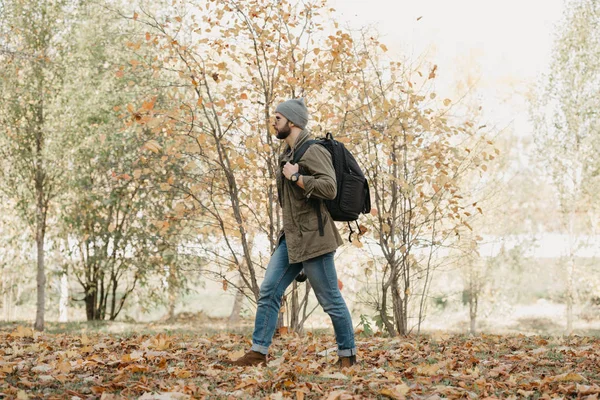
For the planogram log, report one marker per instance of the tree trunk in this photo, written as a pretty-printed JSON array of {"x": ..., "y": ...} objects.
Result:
[
  {"x": 90, "y": 302},
  {"x": 281, "y": 316},
  {"x": 474, "y": 289},
  {"x": 41, "y": 275},
  {"x": 389, "y": 327},
  {"x": 295, "y": 321},
  {"x": 64, "y": 299},
  {"x": 570, "y": 294},
  {"x": 41, "y": 204},
  {"x": 7, "y": 296},
  {"x": 571, "y": 273},
  {"x": 172, "y": 293},
  {"x": 473, "y": 306},
  {"x": 234, "y": 317},
  {"x": 397, "y": 304}
]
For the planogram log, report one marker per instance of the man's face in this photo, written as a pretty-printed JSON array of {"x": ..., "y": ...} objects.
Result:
[{"x": 282, "y": 126}]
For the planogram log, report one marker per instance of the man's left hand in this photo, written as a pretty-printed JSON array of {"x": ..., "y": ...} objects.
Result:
[{"x": 289, "y": 170}]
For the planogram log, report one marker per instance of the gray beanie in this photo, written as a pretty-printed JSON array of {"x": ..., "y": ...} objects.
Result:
[{"x": 295, "y": 111}]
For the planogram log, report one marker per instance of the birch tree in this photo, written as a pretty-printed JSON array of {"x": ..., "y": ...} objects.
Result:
[
  {"x": 567, "y": 126},
  {"x": 31, "y": 49}
]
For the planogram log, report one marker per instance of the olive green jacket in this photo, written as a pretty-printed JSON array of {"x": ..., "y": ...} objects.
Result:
[{"x": 300, "y": 220}]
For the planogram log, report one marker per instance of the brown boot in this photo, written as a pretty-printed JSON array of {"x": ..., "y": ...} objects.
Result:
[
  {"x": 346, "y": 362},
  {"x": 251, "y": 358}
]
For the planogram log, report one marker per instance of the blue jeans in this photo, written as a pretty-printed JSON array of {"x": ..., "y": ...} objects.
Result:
[{"x": 323, "y": 279}]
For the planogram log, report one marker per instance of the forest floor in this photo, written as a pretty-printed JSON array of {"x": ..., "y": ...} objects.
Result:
[{"x": 180, "y": 361}]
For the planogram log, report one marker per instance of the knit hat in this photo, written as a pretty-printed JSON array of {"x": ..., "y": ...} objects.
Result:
[{"x": 295, "y": 111}]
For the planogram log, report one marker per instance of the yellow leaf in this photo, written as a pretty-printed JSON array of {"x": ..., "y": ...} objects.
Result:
[
  {"x": 64, "y": 367},
  {"x": 135, "y": 16},
  {"x": 447, "y": 102},
  {"x": 7, "y": 369},
  {"x": 21, "y": 395},
  {"x": 152, "y": 145},
  {"x": 570, "y": 376},
  {"x": 430, "y": 370},
  {"x": 148, "y": 105},
  {"x": 137, "y": 173},
  {"x": 22, "y": 332},
  {"x": 400, "y": 390},
  {"x": 234, "y": 355},
  {"x": 383, "y": 47},
  {"x": 183, "y": 373}
]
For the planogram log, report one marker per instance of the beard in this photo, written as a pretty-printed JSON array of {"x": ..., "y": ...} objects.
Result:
[{"x": 284, "y": 132}]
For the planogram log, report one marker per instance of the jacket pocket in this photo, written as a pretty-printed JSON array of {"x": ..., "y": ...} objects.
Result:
[{"x": 308, "y": 220}]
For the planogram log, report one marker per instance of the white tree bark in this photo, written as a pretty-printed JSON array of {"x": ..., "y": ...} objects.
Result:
[{"x": 63, "y": 304}]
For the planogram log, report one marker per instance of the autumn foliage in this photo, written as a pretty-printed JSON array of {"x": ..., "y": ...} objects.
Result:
[
  {"x": 163, "y": 366},
  {"x": 224, "y": 68}
]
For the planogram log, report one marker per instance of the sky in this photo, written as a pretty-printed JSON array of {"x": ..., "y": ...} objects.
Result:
[{"x": 506, "y": 44}]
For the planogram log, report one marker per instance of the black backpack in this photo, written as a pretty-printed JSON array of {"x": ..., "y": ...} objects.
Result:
[{"x": 353, "y": 196}]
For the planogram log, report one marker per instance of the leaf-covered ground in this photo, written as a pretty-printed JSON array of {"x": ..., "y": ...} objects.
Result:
[{"x": 180, "y": 366}]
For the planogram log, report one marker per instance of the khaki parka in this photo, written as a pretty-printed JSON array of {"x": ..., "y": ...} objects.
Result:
[{"x": 300, "y": 219}]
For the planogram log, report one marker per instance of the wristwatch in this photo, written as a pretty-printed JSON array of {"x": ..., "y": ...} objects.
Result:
[{"x": 294, "y": 178}]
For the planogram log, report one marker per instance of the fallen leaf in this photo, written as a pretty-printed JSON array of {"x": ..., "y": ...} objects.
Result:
[
  {"x": 234, "y": 355},
  {"x": 22, "y": 332},
  {"x": 339, "y": 395},
  {"x": 164, "y": 396},
  {"x": 397, "y": 392},
  {"x": 21, "y": 395},
  {"x": 570, "y": 376},
  {"x": 42, "y": 368},
  {"x": 336, "y": 375}
]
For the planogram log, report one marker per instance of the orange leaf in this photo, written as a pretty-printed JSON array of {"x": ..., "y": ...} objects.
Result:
[
  {"x": 340, "y": 285},
  {"x": 225, "y": 284},
  {"x": 244, "y": 96}
]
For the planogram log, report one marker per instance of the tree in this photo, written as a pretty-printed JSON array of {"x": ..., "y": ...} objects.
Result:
[
  {"x": 224, "y": 76},
  {"x": 416, "y": 155},
  {"x": 566, "y": 122},
  {"x": 31, "y": 77},
  {"x": 113, "y": 217}
]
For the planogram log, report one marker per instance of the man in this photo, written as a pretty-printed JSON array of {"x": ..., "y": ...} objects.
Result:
[{"x": 301, "y": 246}]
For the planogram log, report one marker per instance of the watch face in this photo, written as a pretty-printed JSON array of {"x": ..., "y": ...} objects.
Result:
[{"x": 295, "y": 178}]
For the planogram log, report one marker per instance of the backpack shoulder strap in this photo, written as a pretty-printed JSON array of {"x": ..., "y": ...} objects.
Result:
[{"x": 299, "y": 152}]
